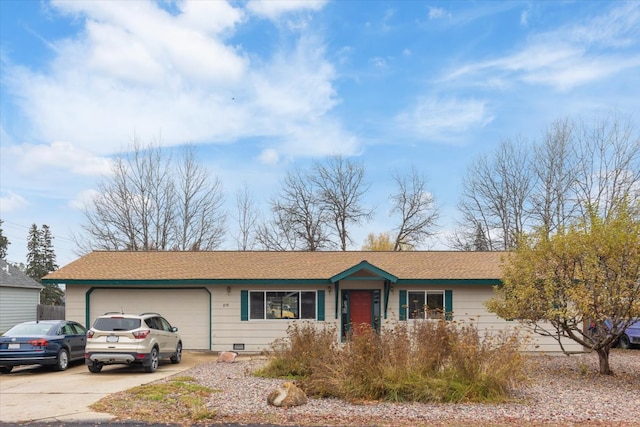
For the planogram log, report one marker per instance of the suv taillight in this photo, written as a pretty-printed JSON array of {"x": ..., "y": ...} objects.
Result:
[
  {"x": 90, "y": 334},
  {"x": 140, "y": 335}
]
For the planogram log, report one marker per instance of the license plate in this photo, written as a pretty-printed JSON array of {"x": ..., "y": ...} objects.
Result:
[
  {"x": 13, "y": 346},
  {"x": 112, "y": 338}
]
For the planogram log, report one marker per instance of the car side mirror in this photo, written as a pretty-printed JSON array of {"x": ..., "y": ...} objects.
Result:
[{"x": 174, "y": 329}]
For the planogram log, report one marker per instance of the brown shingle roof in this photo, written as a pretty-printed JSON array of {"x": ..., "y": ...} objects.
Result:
[{"x": 121, "y": 265}]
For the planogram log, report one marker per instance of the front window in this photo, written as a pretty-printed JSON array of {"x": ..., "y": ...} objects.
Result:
[
  {"x": 426, "y": 304},
  {"x": 282, "y": 305}
]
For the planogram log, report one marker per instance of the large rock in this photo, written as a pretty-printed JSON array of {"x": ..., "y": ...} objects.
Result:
[
  {"x": 227, "y": 357},
  {"x": 288, "y": 394}
]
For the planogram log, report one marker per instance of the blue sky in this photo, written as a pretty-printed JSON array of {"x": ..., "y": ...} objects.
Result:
[{"x": 261, "y": 87}]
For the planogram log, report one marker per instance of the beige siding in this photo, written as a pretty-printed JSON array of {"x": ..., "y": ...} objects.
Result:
[
  {"x": 468, "y": 306},
  {"x": 75, "y": 306},
  {"x": 257, "y": 335}
]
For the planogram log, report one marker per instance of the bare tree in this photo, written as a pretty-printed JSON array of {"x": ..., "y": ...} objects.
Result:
[
  {"x": 553, "y": 201},
  {"x": 608, "y": 159},
  {"x": 199, "y": 215},
  {"x": 416, "y": 208},
  {"x": 299, "y": 219},
  {"x": 341, "y": 188},
  {"x": 246, "y": 217},
  {"x": 144, "y": 205},
  {"x": 575, "y": 169},
  {"x": 496, "y": 195}
]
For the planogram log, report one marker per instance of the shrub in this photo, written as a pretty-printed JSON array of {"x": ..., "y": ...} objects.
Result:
[
  {"x": 428, "y": 362},
  {"x": 305, "y": 345}
]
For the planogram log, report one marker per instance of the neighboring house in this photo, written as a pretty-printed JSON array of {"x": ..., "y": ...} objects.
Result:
[
  {"x": 227, "y": 300},
  {"x": 19, "y": 296}
]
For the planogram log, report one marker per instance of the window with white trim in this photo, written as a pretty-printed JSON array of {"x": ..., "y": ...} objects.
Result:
[
  {"x": 282, "y": 305},
  {"x": 425, "y": 304}
]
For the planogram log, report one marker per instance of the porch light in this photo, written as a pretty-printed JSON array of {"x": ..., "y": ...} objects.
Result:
[
  {"x": 329, "y": 289},
  {"x": 228, "y": 290}
]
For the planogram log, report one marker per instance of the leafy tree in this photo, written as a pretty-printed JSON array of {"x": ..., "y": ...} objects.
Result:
[
  {"x": 381, "y": 242},
  {"x": 41, "y": 260},
  {"x": 587, "y": 273},
  {"x": 4, "y": 243}
]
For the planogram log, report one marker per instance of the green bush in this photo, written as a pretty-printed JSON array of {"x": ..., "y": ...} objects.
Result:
[{"x": 428, "y": 362}]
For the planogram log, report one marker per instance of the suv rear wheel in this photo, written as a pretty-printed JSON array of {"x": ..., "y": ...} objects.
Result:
[
  {"x": 95, "y": 367},
  {"x": 153, "y": 361},
  {"x": 178, "y": 356}
]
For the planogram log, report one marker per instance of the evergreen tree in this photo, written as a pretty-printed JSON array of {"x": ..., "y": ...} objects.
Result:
[
  {"x": 4, "y": 243},
  {"x": 35, "y": 265},
  {"x": 41, "y": 260}
]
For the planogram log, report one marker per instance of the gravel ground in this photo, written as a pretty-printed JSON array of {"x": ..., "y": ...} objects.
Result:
[{"x": 565, "y": 391}]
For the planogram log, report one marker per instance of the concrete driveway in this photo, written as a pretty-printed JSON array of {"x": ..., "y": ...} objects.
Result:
[{"x": 36, "y": 394}]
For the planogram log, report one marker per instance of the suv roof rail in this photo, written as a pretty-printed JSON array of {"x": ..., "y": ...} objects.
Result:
[
  {"x": 149, "y": 312},
  {"x": 112, "y": 312}
]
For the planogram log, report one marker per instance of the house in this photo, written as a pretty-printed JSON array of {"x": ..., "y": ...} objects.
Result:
[
  {"x": 224, "y": 300},
  {"x": 19, "y": 296}
]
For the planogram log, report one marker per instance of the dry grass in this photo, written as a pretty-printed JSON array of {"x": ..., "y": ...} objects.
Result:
[
  {"x": 179, "y": 400},
  {"x": 429, "y": 362}
]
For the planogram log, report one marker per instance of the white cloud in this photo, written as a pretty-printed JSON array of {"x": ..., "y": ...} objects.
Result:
[
  {"x": 137, "y": 69},
  {"x": 378, "y": 62},
  {"x": 438, "y": 13},
  {"x": 567, "y": 57},
  {"x": 269, "y": 156},
  {"x": 524, "y": 18},
  {"x": 443, "y": 119},
  {"x": 83, "y": 199},
  {"x": 274, "y": 9},
  {"x": 11, "y": 202},
  {"x": 35, "y": 158}
]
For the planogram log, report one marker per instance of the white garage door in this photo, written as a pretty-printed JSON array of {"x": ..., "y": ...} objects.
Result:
[{"x": 188, "y": 309}]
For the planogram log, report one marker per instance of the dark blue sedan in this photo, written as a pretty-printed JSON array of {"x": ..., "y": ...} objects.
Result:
[{"x": 45, "y": 342}]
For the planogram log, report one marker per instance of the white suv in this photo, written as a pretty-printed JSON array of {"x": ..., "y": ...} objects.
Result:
[{"x": 117, "y": 338}]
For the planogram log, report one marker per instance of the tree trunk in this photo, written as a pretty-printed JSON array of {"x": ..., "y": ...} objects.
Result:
[{"x": 603, "y": 356}]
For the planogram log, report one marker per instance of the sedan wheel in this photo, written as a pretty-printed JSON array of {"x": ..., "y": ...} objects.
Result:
[
  {"x": 624, "y": 342},
  {"x": 62, "y": 362},
  {"x": 5, "y": 369},
  {"x": 153, "y": 361},
  {"x": 176, "y": 358}
]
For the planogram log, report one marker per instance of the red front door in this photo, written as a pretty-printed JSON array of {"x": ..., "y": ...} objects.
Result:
[{"x": 361, "y": 303}]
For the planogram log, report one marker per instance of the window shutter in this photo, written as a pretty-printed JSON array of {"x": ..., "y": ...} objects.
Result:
[
  {"x": 448, "y": 304},
  {"x": 403, "y": 305},
  {"x": 244, "y": 305},
  {"x": 320, "y": 305}
]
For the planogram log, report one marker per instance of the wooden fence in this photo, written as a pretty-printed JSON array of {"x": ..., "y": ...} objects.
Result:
[{"x": 50, "y": 312}]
